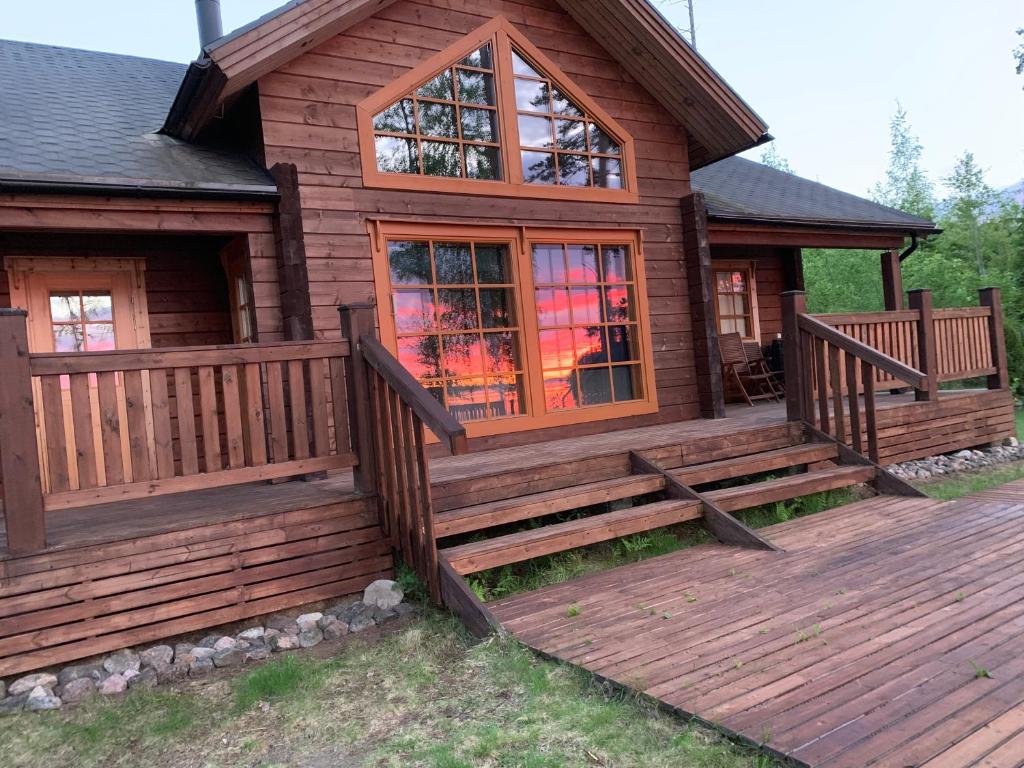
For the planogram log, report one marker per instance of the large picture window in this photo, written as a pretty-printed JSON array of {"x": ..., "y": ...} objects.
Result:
[
  {"x": 517, "y": 328},
  {"x": 493, "y": 114}
]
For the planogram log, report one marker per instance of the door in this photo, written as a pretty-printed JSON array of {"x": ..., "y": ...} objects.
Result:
[{"x": 81, "y": 305}]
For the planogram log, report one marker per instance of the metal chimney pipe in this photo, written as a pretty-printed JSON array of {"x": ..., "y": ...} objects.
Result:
[{"x": 209, "y": 21}]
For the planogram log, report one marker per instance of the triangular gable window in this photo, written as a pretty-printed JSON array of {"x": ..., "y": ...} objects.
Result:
[{"x": 494, "y": 111}]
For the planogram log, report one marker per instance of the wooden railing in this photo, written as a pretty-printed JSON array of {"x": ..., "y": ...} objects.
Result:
[
  {"x": 895, "y": 334},
  {"x": 397, "y": 413},
  {"x": 963, "y": 348}
]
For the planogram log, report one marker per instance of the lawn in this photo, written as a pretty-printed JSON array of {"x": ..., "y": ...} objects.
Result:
[{"x": 427, "y": 695}]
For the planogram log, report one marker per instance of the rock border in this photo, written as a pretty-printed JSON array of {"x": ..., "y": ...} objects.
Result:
[
  {"x": 967, "y": 460},
  {"x": 382, "y": 601}
]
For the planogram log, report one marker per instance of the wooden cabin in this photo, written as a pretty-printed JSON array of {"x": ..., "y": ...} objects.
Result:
[{"x": 533, "y": 224}]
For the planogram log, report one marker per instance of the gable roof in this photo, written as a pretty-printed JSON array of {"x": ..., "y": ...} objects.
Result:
[
  {"x": 74, "y": 118},
  {"x": 718, "y": 122},
  {"x": 741, "y": 190}
]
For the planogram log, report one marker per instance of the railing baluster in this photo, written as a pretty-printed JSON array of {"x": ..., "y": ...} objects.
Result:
[
  {"x": 208, "y": 418},
  {"x": 138, "y": 435},
  {"x": 853, "y": 397},
  {"x": 386, "y": 456},
  {"x": 868, "y": 374},
  {"x": 297, "y": 400},
  {"x": 255, "y": 421},
  {"x": 807, "y": 381},
  {"x": 837, "y": 394},
  {"x": 433, "y": 580},
  {"x": 318, "y": 406},
  {"x": 163, "y": 441},
  {"x": 110, "y": 428},
  {"x": 278, "y": 422},
  {"x": 56, "y": 434},
  {"x": 401, "y": 484},
  {"x": 186, "y": 421},
  {"x": 233, "y": 416},
  {"x": 822, "y": 381}
]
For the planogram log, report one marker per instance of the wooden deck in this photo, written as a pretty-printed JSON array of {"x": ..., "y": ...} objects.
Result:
[{"x": 860, "y": 644}]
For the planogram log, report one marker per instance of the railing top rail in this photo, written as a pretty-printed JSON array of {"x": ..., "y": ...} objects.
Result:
[
  {"x": 45, "y": 364},
  {"x": 950, "y": 312},
  {"x": 432, "y": 413},
  {"x": 880, "y": 360},
  {"x": 843, "y": 318}
]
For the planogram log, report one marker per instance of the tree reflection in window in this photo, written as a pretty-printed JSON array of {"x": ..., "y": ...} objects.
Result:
[
  {"x": 559, "y": 143},
  {"x": 447, "y": 127},
  {"x": 586, "y": 314},
  {"x": 82, "y": 321},
  {"x": 458, "y": 332}
]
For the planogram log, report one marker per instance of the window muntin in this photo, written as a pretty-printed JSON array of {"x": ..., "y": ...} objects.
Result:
[
  {"x": 457, "y": 328},
  {"x": 734, "y": 302},
  {"x": 588, "y": 332},
  {"x": 447, "y": 127},
  {"x": 82, "y": 321},
  {"x": 560, "y": 144}
]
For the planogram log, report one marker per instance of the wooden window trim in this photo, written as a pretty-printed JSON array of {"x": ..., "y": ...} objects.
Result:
[
  {"x": 520, "y": 240},
  {"x": 750, "y": 268},
  {"x": 502, "y": 35}
]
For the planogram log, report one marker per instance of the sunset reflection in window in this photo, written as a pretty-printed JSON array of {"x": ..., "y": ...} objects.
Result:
[
  {"x": 586, "y": 316},
  {"x": 457, "y": 326}
]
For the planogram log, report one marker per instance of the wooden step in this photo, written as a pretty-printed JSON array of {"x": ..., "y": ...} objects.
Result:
[
  {"x": 516, "y": 547},
  {"x": 489, "y": 514},
  {"x": 755, "y": 494},
  {"x": 752, "y": 464}
]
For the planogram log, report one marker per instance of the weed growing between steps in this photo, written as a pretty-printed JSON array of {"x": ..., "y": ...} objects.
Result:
[
  {"x": 425, "y": 695},
  {"x": 563, "y": 566}
]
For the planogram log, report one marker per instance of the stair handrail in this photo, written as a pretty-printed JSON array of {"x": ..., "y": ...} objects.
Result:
[
  {"x": 440, "y": 421},
  {"x": 876, "y": 358}
]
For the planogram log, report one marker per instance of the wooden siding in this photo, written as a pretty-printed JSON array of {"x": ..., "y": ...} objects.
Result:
[{"x": 308, "y": 111}]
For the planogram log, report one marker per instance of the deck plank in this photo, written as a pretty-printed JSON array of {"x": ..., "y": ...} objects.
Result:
[{"x": 855, "y": 647}]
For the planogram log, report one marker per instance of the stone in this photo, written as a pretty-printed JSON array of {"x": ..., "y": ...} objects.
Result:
[
  {"x": 270, "y": 634},
  {"x": 309, "y": 638},
  {"x": 163, "y": 670},
  {"x": 147, "y": 678},
  {"x": 130, "y": 674},
  {"x": 158, "y": 654},
  {"x": 285, "y": 643},
  {"x": 200, "y": 667},
  {"x": 3, "y": 690},
  {"x": 383, "y": 615},
  {"x": 41, "y": 700},
  {"x": 383, "y": 593},
  {"x": 338, "y": 609},
  {"x": 202, "y": 654},
  {"x": 113, "y": 685},
  {"x": 361, "y": 622},
  {"x": 176, "y": 671},
  {"x": 77, "y": 690},
  {"x": 333, "y": 629},
  {"x": 308, "y": 621},
  {"x": 13, "y": 704},
  {"x": 225, "y": 644},
  {"x": 209, "y": 641},
  {"x": 259, "y": 653},
  {"x": 252, "y": 635},
  {"x": 1011, "y": 442},
  {"x": 229, "y": 657},
  {"x": 182, "y": 651},
  {"x": 28, "y": 683},
  {"x": 94, "y": 672},
  {"x": 405, "y": 609},
  {"x": 122, "y": 661},
  {"x": 282, "y": 623}
]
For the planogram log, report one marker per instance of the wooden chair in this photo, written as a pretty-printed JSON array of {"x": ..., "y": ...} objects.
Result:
[
  {"x": 758, "y": 364},
  {"x": 736, "y": 370}
]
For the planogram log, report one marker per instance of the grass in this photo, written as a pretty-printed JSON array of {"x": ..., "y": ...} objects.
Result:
[{"x": 425, "y": 696}]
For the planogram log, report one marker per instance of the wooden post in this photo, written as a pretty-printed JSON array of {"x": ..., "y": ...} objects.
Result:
[
  {"x": 991, "y": 298},
  {"x": 892, "y": 281},
  {"x": 356, "y": 323},
  {"x": 700, "y": 279},
  {"x": 920, "y": 299},
  {"x": 290, "y": 245},
  {"x": 794, "y": 303},
  {"x": 19, "y": 447}
]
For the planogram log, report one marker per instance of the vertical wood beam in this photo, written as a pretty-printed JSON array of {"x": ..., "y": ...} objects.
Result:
[
  {"x": 794, "y": 303},
  {"x": 19, "y": 446},
  {"x": 892, "y": 281},
  {"x": 792, "y": 269},
  {"x": 290, "y": 245},
  {"x": 357, "y": 323},
  {"x": 920, "y": 299},
  {"x": 700, "y": 287},
  {"x": 992, "y": 298}
]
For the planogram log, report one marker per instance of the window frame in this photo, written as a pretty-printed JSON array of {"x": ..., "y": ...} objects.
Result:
[
  {"x": 750, "y": 269},
  {"x": 503, "y": 36},
  {"x": 521, "y": 240}
]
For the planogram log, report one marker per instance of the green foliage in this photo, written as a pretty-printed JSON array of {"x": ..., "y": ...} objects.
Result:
[
  {"x": 773, "y": 159},
  {"x": 906, "y": 187}
]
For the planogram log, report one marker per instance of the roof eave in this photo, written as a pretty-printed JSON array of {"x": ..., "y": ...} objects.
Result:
[
  {"x": 888, "y": 227},
  {"x": 126, "y": 188}
]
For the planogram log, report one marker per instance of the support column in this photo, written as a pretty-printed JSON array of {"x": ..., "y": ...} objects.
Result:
[
  {"x": 290, "y": 245},
  {"x": 794, "y": 304},
  {"x": 991, "y": 297},
  {"x": 700, "y": 286},
  {"x": 921, "y": 300},
  {"x": 892, "y": 281},
  {"x": 19, "y": 446},
  {"x": 357, "y": 323}
]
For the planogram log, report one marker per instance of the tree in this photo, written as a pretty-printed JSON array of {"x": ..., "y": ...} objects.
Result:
[
  {"x": 966, "y": 208},
  {"x": 1018, "y": 53},
  {"x": 906, "y": 187},
  {"x": 773, "y": 159}
]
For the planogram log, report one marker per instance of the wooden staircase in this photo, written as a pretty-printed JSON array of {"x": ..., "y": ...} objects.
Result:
[{"x": 656, "y": 492}]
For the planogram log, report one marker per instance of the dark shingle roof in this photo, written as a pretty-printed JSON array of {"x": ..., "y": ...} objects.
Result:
[
  {"x": 740, "y": 189},
  {"x": 86, "y": 118}
]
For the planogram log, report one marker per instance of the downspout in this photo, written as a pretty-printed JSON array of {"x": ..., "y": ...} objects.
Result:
[{"x": 911, "y": 249}]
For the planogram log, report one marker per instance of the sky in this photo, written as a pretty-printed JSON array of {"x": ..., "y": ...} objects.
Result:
[{"x": 826, "y": 76}]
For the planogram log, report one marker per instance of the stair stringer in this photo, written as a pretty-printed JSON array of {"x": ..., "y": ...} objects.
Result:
[{"x": 884, "y": 481}]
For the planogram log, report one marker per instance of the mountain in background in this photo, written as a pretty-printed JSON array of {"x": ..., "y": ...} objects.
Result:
[{"x": 1014, "y": 192}]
